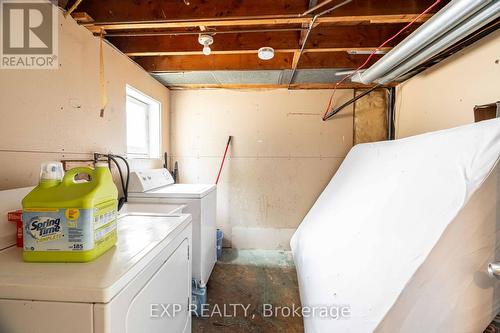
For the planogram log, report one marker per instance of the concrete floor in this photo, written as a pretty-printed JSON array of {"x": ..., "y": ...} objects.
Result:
[{"x": 251, "y": 278}]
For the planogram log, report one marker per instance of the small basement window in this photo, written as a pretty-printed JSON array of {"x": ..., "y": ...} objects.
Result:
[{"x": 143, "y": 125}]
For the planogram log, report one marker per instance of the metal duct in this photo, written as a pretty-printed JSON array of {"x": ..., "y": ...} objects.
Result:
[
  {"x": 439, "y": 24},
  {"x": 485, "y": 16}
]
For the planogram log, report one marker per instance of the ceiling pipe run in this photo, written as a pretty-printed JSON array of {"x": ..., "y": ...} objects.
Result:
[
  {"x": 324, "y": 3},
  {"x": 212, "y": 32},
  {"x": 311, "y": 26},
  {"x": 442, "y": 22},
  {"x": 485, "y": 16}
]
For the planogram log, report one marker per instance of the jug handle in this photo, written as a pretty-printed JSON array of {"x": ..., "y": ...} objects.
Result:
[{"x": 69, "y": 176}]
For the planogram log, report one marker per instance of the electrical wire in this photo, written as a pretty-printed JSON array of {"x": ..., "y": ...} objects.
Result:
[
  {"x": 325, "y": 115},
  {"x": 122, "y": 200},
  {"x": 124, "y": 183},
  {"x": 125, "y": 193}
]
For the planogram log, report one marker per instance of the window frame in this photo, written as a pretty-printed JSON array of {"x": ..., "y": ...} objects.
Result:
[{"x": 154, "y": 135}]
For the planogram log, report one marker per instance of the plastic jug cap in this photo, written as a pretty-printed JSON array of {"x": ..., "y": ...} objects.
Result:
[{"x": 51, "y": 171}]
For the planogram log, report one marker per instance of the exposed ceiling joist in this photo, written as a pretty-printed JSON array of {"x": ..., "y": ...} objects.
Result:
[
  {"x": 190, "y": 53},
  {"x": 161, "y": 35},
  {"x": 249, "y": 62},
  {"x": 82, "y": 17},
  {"x": 152, "y": 10},
  {"x": 271, "y": 86},
  {"x": 241, "y": 22},
  {"x": 344, "y": 37}
]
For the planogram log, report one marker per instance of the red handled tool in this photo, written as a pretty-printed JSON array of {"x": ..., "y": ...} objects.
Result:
[{"x": 223, "y": 159}]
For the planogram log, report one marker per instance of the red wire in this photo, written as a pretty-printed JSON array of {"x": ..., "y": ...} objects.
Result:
[
  {"x": 374, "y": 51},
  {"x": 222, "y": 164}
]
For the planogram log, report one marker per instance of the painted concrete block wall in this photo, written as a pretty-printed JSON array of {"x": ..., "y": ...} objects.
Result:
[
  {"x": 281, "y": 158},
  {"x": 444, "y": 96},
  {"x": 54, "y": 114}
]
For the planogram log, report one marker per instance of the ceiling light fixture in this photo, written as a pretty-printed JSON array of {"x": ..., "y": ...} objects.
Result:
[
  {"x": 266, "y": 53},
  {"x": 206, "y": 41}
]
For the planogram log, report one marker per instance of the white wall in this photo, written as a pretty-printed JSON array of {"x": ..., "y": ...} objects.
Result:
[
  {"x": 281, "y": 157},
  {"x": 54, "y": 114},
  {"x": 444, "y": 96}
]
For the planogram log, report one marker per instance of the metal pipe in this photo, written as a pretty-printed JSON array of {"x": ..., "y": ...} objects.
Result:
[
  {"x": 72, "y": 8},
  {"x": 326, "y": 11},
  {"x": 296, "y": 62},
  {"x": 469, "y": 40},
  {"x": 391, "y": 104},
  {"x": 471, "y": 24},
  {"x": 349, "y": 72},
  {"x": 316, "y": 7},
  {"x": 200, "y": 21},
  {"x": 311, "y": 26},
  {"x": 181, "y": 33},
  {"x": 439, "y": 24},
  {"x": 494, "y": 270},
  {"x": 349, "y": 102}
]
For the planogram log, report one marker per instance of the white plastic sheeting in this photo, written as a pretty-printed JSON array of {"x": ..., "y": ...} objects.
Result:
[{"x": 389, "y": 237}]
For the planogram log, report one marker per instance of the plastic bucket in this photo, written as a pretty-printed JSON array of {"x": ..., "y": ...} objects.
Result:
[
  {"x": 220, "y": 235},
  {"x": 198, "y": 298}
]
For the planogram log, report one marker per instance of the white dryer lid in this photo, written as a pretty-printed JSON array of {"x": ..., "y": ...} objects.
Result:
[
  {"x": 140, "y": 240},
  {"x": 148, "y": 208},
  {"x": 188, "y": 191}
]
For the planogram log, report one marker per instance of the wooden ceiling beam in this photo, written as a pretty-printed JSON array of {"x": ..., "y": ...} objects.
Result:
[
  {"x": 242, "y": 22},
  {"x": 342, "y": 37},
  {"x": 293, "y": 86},
  {"x": 82, "y": 17},
  {"x": 191, "y": 53},
  {"x": 249, "y": 62},
  {"x": 214, "y": 62},
  {"x": 149, "y": 10}
]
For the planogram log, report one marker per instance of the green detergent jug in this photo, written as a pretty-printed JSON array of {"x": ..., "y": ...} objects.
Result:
[{"x": 68, "y": 220}]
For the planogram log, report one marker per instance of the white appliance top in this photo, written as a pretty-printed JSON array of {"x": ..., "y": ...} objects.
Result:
[
  {"x": 148, "y": 179},
  {"x": 188, "y": 191},
  {"x": 158, "y": 183},
  {"x": 140, "y": 240},
  {"x": 149, "y": 208}
]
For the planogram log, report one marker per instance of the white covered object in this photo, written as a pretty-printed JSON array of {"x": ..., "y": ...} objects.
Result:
[{"x": 403, "y": 233}]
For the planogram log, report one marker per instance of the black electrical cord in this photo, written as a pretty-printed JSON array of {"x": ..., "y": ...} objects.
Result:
[
  {"x": 121, "y": 201},
  {"x": 125, "y": 193},
  {"x": 124, "y": 183}
]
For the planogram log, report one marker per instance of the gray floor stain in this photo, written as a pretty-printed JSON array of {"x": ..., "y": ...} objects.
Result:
[{"x": 251, "y": 278}]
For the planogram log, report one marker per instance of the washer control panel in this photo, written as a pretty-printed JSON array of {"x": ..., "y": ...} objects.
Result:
[{"x": 145, "y": 180}]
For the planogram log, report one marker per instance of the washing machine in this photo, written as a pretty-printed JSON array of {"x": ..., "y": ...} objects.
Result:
[
  {"x": 157, "y": 186},
  {"x": 143, "y": 284}
]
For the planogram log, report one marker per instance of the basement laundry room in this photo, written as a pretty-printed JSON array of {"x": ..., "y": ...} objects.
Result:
[{"x": 317, "y": 166}]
